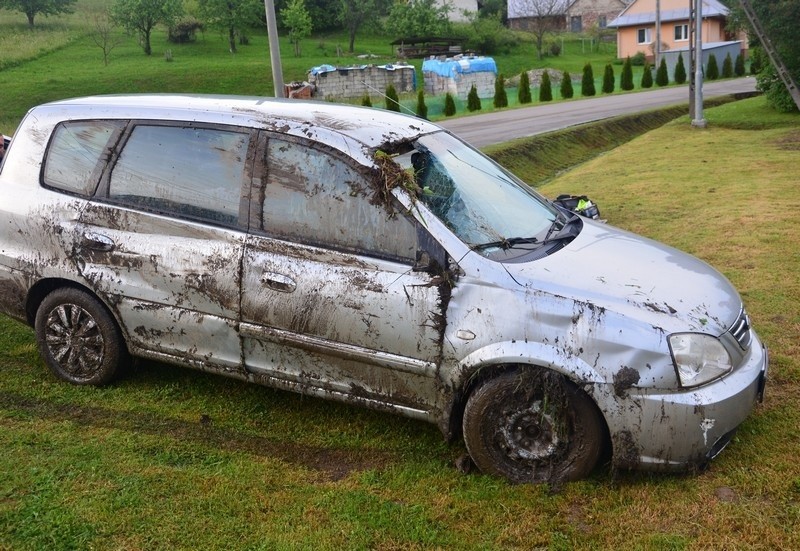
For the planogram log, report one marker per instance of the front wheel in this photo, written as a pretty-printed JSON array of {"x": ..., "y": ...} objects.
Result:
[
  {"x": 531, "y": 425},
  {"x": 78, "y": 338}
]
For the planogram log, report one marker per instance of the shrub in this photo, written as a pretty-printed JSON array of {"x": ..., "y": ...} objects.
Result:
[
  {"x": 422, "y": 109},
  {"x": 566, "y": 85},
  {"x": 712, "y": 71},
  {"x": 608, "y": 79},
  {"x": 647, "y": 76},
  {"x": 738, "y": 66},
  {"x": 639, "y": 59},
  {"x": 524, "y": 91},
  {"x": 500, "y": 97},
  {"x": 680, "y": 71},
  {"x": 662, "y": 78},
  {"x": 626, "y": 80},
  {"x": 449, "y": 105},
  {"x": 366, "y": 101},
  {"x": 727, "y": 67},
  {"x": 473, "y": 101},
  {"x": 487, "y": 35},
  {"x": 184, "y": 31},
  {"x": 587, "y": 82},
  {"x": 545, "y": 88},
  {"x": 392, "y": 101},
  {"x": 555, "y": 49}
]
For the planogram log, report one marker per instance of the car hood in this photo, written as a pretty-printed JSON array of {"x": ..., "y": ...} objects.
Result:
[{"x": 636, "y": 277}]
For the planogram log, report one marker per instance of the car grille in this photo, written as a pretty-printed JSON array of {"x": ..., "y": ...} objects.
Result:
[{"x": 741, "y": 330}]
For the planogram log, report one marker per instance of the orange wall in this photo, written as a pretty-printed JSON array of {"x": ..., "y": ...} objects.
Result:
[{"x": 627, "y": 37}]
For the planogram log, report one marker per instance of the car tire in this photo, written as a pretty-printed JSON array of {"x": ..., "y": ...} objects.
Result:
[
  {"x": 532, "y": 425},
  {"x": 79, "y": 339}
]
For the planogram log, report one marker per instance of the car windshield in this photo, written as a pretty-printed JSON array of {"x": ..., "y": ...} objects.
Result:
[{"x": 483, "y": 204}]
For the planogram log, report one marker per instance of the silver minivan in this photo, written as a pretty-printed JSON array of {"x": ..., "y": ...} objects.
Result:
[{"x": 373, "y": 258}]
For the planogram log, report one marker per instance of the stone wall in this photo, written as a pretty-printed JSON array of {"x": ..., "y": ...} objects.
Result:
[
  {"x": 436, "y": 85},
  {"x": 355, "y": 82}
]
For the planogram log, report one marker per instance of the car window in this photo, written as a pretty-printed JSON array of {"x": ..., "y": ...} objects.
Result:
[
  {"x": 77, "y": 154},
  {"x": 191, "y": 172},
  {"x": 317, "y": 198}
]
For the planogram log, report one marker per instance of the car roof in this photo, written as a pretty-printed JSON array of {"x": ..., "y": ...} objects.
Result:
[{"x": 322, "y": 121}]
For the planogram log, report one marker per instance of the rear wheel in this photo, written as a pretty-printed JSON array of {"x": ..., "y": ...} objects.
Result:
[
  {"x": 78, "y": 338},
  {"x": 532, "y": 425}
]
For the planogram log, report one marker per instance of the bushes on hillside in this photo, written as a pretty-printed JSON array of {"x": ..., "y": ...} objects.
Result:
[
  {"x": 647, "y": 76},
  {"x": 524, "y": 91},
  {"x": 392, "y": 100},
  {"x": 626, "y": 79},
  {"x": 712, "y": 71},
  {"x": 473, "y": 101},
  {"x": 566, "y": 85},
  {"x": 680, "y": 71},
  {"x": 662, "y": 77},
  {"x": 608, "y": 79},
  {"x": 449, "y": 105},
  {"x": 727, "y": 67},
  {"x": 738, "y": 66},
  {"x": 545, "y": 88},
  {"x": 366, "y": 101},
  {"x": 500, "y": 96},
  {"x": 587, "y": 81},
  {"x": 422, "y": 109}
]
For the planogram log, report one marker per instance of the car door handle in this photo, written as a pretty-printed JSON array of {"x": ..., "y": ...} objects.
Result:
[
  {"x": 279, "y": 282},
  {"x": 97, "y": 242}
]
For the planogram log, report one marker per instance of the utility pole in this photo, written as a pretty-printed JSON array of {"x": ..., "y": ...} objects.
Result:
[
  {"x": 274, "y": 49},
  {"x": 698, "y": 121},
  {"x": 657, "y": 49}
]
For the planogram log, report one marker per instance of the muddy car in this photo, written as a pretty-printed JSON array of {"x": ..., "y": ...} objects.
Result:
[{"x": 373, "y": 258}]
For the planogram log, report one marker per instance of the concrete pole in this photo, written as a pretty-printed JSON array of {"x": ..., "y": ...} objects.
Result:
[
  {"x": 274, "y": 49},
  {"x": 698, "y": 121},
  {"x": 656, "y": 50}
]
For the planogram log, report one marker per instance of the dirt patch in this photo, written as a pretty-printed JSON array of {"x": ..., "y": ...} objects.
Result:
[
  {"x": 329, "y": 464},
  {"x": 789, "y": 141}
]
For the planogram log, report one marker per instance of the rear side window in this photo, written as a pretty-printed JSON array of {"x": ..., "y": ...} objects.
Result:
[
  {"x": 77, "y": 155},
  {"x": 189, "y": 172}
]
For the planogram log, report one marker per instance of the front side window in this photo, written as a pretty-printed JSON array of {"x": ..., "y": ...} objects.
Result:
[
  {"x": 317, "y": 198},
  {"x": 643, "y": 36},
  {"x": 681, "y": 32},
  {"x": 195, "y": 173},
  {"x": 77, "y": 154}
]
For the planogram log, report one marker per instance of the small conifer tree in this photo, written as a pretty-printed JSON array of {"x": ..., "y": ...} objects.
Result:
[
  {"x": 500, "y": 96},
  {"x": 626, "y": 80},
  {"x": 545, "y": 88},
  {"x": 680, "y": 71},
  {"x": 738, "y": 66},
  {"x": 392, "y": 100},
  {"x": 727, "y": 67},
  {"x": 712, "y": 71},
  {"x": 566, "y": 86},
  {"x": 366, "y": 101},
  {"x": 662, "y": 77},
  {"x": 473, "y": 101},
  {"x": 449, "y": 105},
  {"x": 587, "y": 82},
  {"x": 524, "y": 92},
  {"x": 647, "y": 76},
  {"x": 422, "y": 109},
  {"x": 608, "y": 79}
]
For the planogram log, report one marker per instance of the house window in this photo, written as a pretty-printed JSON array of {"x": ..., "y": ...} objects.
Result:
[
  {"x": 602, "y": 22},
  {"x": 681, "y": 32},
  {"x": 643, "y": 36}
]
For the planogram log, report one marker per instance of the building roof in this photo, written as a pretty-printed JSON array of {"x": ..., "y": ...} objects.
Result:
[{"x": 711, "y": 8}]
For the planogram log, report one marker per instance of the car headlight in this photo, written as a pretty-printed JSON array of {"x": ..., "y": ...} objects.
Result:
[{"x": 698, "y": 358}]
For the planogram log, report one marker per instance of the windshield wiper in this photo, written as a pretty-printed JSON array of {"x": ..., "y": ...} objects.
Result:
[
  {"x": 565, "y": 222},
  {"x": 505, "y": 244}
]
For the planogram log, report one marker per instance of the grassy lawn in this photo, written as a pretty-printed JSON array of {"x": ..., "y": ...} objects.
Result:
[{"x": 170, "y": 458}]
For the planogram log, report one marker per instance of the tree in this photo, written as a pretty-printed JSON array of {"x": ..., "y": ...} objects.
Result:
[
  {"x": 738, "y": 66},
  {"x": 566, "y": 86},
  {"x": 103, "y": 34},
  {"x": 712, "y": 70},
  {"x": 354, "y": 14},
  {"x": 626, "y": 79},
  {"x": 727, "y": 67},
  {"x": 231, "y": 16},
  {"x": 545, "y": 88},
  {"x": 32, "y": 8},
  {"x": 524, "y": 91},
  {"x": 449, "y": 105},
  {"x": 587, "y": 81},
  {"x": 366, "y": 101},
  {"x": 543, "y": 18},
  {"x": 473, "y": 101},
  {"x": 647, "y": 76},
  {"x": 662, "y": 77},
  {"x": 295, "y": 18},
  {"x": 141, "y": 16},
  {"x": 422, "y": 109},
  {"x": 500, "y": 96},
  {"x": 392, "y": 100},
  {"x": 608, "y": 79},
  {"x": 680, "y": 71},
  {"x": 419, "y": 18}
]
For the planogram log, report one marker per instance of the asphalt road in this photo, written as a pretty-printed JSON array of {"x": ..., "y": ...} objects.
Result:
[{"x": 502, "y": 126}]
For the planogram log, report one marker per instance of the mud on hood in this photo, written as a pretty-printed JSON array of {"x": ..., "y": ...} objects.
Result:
[{"x": 636, "y": 277}]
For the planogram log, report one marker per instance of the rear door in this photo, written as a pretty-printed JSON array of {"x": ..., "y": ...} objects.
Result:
[
  {"x": 332, "y": 301},
  {"x": 163, "y": 242}
]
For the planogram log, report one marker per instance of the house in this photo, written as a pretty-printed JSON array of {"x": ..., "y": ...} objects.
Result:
[
  {"x": 636, "y": 26},
  {"x": 460, "y": 10},
  {"x": 533, "y": 15},
  {"x": 582, "y": 15}
]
